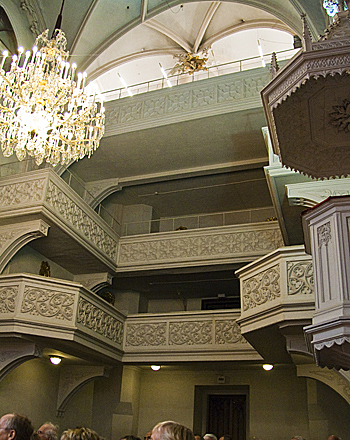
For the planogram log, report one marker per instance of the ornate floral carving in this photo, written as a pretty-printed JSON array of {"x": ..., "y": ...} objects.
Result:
[
  {"x": 204, "y": 97},
  {"x": 261, "y": 288},
  {"x": 228, "y": 332},
  {"x": 300, "y": 278},
  {"x": 69, "y": 210},
  {"x": 154, "y": 107},
  {"x": 146, "y": 334},
  {"x": 191, "y": 333},
  {"x": 48, "y": 303},
  {"x": 34, "y": 27},
  {"x": 6, "y": 236},
  {"x": 179, "y": 102},
  {"x": 99, "y": 321},
  {"x": 22, "y": 192},
  {"x": 340, "y": 117},
  {"x": 130, "y": 113},
  {"x": 213, "y": 245},
  {"x": 214, "y": 94},
  {"x": 8, "y": 296},
  {"x": 324, "y": 234}
]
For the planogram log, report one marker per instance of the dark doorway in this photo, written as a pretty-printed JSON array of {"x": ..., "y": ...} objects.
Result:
[{"x": 227, "y": 415}]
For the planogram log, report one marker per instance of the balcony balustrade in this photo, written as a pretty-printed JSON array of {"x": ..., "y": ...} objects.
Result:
[
  {"x": 276, "y": 288},
  {"x": 66, "y": 316}
]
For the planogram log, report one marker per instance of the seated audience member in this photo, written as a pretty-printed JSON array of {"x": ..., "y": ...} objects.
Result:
[
  {"x": 198, "y": 437},
  {"x": 15, "y": 427},
  {"x": 334, "y": 437},
  {"x": 209, "y": 437},
  {"x": 48, "y": 431},
  {"x": 171, "y": 431},
  {"x": 80, "y": 434},
  {"x": 147, "y": 435}
]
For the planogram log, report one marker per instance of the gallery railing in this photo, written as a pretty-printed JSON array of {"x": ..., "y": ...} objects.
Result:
[{"x": 184, "y": 78}]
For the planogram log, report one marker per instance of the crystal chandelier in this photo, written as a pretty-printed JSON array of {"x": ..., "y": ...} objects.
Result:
[{"x": 44, "y": 109}]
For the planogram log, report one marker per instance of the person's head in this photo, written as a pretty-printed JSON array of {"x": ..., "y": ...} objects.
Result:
[
  {"x": 334, "y": 437},
  {"x": 48, "y": 431},
  {"x": 171, "y": 431},
  {"x": 80, "y": 434},
  {"x": 197, "y": 437},
  {"x": 15, "y": 427},
  {"x": 148, "y": 435},
  {"x": 209, "y": 437},
  {"x": 298, "y": 437},
  {"x": 130, "y": 437},
  {"x": 225, "y": 437}
]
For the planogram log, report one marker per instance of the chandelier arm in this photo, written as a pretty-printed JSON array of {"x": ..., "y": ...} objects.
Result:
[
  {"x": 7, "y": 110},
  {"x": 79, "y": 117},
  {"x": 12, "y": 88}
]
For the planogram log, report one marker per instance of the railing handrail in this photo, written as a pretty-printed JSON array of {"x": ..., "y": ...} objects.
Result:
[
  {"x": 239, "y": 62},
  {"x": 198, "y": 215},
  {"x": 28, "y": 165}
]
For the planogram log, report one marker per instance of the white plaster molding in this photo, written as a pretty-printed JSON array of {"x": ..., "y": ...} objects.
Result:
[
  {"x": 144, "y": 7},
  {"x": 13, "y": 237},
  {"x": 72, "y": 379},
  {"x": 335, "y": 380},
  {"x": 170, "y": 33},
  {"x": 43, "y": 192},
  {"x": 250, "y": 24},
  {"x": 12, "y": 355},
  {"x": 275, "y": 288},
  {"x": 198, "y": 247},
  {"x": 59, "y": 310},
  {"x": 219, "y": 95},
  {"x": 94, "y": 281},
  {"x": 185, "y": 335},
  {"x": 35, "y": 18},
  {"x": 204, "y": 26},
  {"x": 309, "y": 194}
]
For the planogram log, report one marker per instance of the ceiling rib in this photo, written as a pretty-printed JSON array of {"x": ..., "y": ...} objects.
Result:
[
  {"x": 144, "y": 7},
  {"x": 252, "y": 24},
  {"x": 169, "y": 33},
  {"x": 204, "y": 26},
  {"x": 78, "y": 35}
]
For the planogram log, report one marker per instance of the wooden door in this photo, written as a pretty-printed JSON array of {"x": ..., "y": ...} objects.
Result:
[{"x": 227, "y": 415}]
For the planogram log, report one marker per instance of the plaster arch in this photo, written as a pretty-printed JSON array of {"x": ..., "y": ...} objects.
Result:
[
  {"x": 26, "y": 19},
  {"x": 288, "y": 13},
  {"x": 13, "y": 237},
  {"x": 13, "y": 355},
  {"x": 339, "y": 382},
  {"x": 254, "y": 24},
  {"x": 72, "y": 379}
]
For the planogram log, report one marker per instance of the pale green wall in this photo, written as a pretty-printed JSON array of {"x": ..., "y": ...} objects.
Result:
[
  {"x": 32, "y": 389},
  {"x": 27, "y": 260},
  {"x": 277, "y": 400}
]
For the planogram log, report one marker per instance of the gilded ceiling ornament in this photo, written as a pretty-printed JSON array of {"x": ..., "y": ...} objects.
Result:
[{"x": 190, "y": 63}]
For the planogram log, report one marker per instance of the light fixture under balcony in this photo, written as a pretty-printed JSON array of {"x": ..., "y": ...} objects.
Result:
[
  {"x": 267, "y": 367},
  {"x": 55, "y": 360},
  {"x": 155, "y": 367},
  {"x": 44, "y": 110}
]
